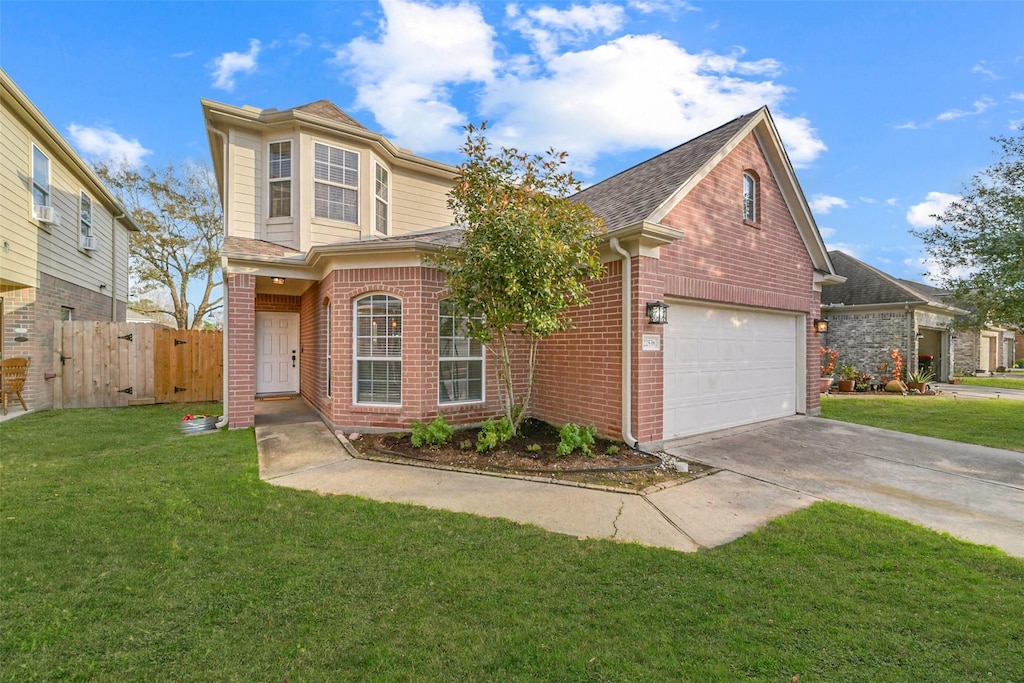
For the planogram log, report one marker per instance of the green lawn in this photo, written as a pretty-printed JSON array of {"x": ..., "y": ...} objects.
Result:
[
  {"x": 999, "y": 383},
  {"x": 131, "y": 553},
  {"x": 998, "y": 423}
]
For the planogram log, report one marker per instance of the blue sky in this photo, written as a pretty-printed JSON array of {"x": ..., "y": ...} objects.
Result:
[{"x": 886, "y": 108}]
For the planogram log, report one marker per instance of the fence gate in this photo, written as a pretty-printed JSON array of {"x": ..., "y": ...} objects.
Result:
[{"x": 104, "y": 364}]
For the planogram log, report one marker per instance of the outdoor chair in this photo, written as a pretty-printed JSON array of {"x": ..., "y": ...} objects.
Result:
[{"x": 14, "y": 374}]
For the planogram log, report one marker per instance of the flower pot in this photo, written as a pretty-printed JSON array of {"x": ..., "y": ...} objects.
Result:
[
  {"x": 826, "y": 384},
  {"x": 847, "y": 384}
]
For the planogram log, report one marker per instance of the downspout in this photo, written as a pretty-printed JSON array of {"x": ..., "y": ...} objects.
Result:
[
  {"x": 113, "y": 269},
  {"x": 627, "y": 344},
  {"x": 223, "y": 422}
]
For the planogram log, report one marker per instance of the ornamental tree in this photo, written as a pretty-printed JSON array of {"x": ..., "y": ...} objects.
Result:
[
  {"x": 525, "y": 258},
  {"x": 979, "y": 241}
]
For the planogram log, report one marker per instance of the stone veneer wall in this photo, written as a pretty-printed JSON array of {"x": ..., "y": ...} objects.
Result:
[{"x": 37, "y": 310}]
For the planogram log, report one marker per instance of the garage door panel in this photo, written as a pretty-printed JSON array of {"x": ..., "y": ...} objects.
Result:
[{"x": 725, "y": 368}]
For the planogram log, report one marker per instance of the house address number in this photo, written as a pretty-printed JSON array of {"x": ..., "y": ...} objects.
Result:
[{"x": 652, "y": 342}]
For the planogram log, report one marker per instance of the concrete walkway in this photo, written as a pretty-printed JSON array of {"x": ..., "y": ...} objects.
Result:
[{"x": 768, "y": 470}]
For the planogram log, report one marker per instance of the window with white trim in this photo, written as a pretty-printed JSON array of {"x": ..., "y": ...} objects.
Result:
[
  {"x": 382, "y": 221},
  {"x": 460, "y": 367},
  {"x": 750, "y": 197},
  {"x": 336, "y": 183},
  {"x": 85, "y": 239},
  {"x": 280, "y": 179},
  {"x": 40, "y": 177},
  {"x": 378, "y": 337}
]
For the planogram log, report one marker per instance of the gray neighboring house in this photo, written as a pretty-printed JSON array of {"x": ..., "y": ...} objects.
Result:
[{"x": 872, "y": 313}]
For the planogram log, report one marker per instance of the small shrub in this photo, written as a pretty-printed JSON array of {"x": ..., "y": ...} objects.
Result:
[
  {"x": 492, "y": 434},
  {"x": 437, "y": 433},
  {"x": 572, "y": 437},
  {"x": 533, "y": 448},
  {"x": 611, "y": 450}
]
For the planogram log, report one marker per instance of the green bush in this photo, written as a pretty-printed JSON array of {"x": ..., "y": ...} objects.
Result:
[
  {"x": 492, "y": 433},
  {"x": 437, "y": 433},
  {"x": 572, "y": 437}
]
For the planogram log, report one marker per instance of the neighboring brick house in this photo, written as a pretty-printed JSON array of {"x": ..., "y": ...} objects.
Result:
[
  {"x": 64, "y": 241},
  {"x": 872, "y": 313},
  {"x": 330, "y": 295}
]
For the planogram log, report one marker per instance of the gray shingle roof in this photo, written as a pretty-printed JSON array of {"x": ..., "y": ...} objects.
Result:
[
  {"x": 634, "y": 194},
  {"x": 328, "y": 110},
  {"x": 867, "y": 285}
]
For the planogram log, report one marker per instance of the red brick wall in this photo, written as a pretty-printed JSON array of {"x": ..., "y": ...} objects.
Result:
[
  {"x": 579, "y": 372},
  {"x": 38, "y": 310},
  {"x": 241, "y": 341}
]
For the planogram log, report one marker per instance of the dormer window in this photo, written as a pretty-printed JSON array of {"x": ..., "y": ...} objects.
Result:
[
  {"x": 336, "y": 183},
  {"x": 749, "y": 197},
  {"x": 280, "y": 179}
]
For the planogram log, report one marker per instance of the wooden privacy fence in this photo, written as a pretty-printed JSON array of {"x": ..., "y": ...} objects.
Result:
[{"x": 103, "y": 364}]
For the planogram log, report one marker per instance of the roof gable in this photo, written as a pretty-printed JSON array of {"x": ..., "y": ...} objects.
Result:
[
  {"x": 866, "y": 285},
  {"x": 635, "y": 194}
]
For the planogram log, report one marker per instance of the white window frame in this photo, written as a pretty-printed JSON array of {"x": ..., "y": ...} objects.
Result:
[
  {"x": 47, "y": 197},
  {"x": 381, "y": 347},
  {"x": 283, "y": 179},
  {"x": 443, "y": 360},
  {"x": 378, "y": 199},
  {"x": 750, "y": 198},
  {"x": 328, "y": 183},
  {"x": 86, "y": 241}
]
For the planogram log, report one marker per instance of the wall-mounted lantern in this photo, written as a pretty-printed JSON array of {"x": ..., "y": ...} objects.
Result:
[
  {"x": 657, "y": 312},
  {"x": 821, "y": 325},
  {"x": 277, "y": 280}
]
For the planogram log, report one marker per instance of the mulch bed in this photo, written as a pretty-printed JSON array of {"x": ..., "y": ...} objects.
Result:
[{"x": 611, "y": 465}]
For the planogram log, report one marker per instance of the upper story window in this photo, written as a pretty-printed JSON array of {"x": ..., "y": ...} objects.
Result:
[
  {"x": 336, "y": 183},
  {"x": 749, "y": 197},
  {"x": 280, "y": 179},
  {"x": 85, "y": 237},
  {"x": 382, "y": 223},
  {"x": 460, "y": 359},
  {"x": 378, "y": 349},
  {"x": 40, "y": 177}
]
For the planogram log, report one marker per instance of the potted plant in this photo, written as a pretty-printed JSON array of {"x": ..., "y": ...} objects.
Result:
[
  {"x": 919, "y": 379},
  {"x": 848, "y": 375},
  {"x": 828, "y": 366}
]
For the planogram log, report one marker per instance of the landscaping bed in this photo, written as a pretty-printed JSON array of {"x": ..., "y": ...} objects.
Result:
[{"x": 534, "y": 453}]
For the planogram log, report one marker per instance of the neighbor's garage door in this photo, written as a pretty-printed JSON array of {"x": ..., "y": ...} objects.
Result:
[{"x": 726, "y": 367}]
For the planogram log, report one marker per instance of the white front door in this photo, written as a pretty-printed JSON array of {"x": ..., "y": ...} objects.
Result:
[{"x": 277, "y": 353}]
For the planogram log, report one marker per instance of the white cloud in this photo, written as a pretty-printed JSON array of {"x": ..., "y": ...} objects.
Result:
[
  {"x": 615, "y": 94},
  {"x": 547, "y": 29},
  {"x": 823, "y": 203},
  {"x": 105, "y": 143},
  {"x": 980, "y": 106},
  {"x": 631, "y": 93},
  {"x": 980, "y": 68},
  {"x": 226, "y": 66},
  {"x": 935, "y": 203},
  {"x": 404, "y": 77}
]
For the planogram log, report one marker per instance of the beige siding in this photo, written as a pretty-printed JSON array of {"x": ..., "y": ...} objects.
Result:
[
  {"x": 419, "y": 202},
  {"x": 18, "y": 231},
  {"x": 246, "y": 172}
]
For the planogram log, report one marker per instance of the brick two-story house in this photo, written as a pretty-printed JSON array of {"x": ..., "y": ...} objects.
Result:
[
  {"x": 330, "y": 293},
  {"x": 64, "y": 241}
]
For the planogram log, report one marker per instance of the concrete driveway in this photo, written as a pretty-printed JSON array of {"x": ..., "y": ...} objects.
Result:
[{"x": 972, "y": 492}]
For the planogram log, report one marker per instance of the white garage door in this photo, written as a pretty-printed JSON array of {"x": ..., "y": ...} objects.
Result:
[{"x": 726, "y": 367}]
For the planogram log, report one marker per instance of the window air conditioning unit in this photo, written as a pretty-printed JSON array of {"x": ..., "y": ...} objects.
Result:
[
  {"x": 89, "y": 243},
  {"x": 45, "y": 214}
]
